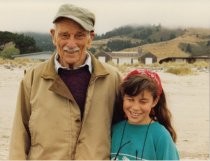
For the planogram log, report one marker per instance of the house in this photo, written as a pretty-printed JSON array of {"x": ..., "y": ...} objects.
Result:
[
  {"x": 148, "y": 58},
  {"x": 122, "y": 57},
  {"x": 103, "y": 56}
]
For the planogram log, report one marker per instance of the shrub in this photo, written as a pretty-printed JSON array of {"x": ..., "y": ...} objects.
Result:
[
  {"x": 201, "y": 64},
  {"x": 180, "y": 70},
  {"x": 8, "y": 52}
]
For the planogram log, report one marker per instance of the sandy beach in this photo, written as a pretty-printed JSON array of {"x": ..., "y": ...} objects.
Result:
[{"x": 188, "y": 99}]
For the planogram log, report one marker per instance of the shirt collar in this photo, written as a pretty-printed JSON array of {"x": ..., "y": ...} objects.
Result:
[{"x": 87, "y": 62}]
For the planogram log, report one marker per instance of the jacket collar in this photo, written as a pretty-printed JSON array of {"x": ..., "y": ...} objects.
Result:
[
  {"x": 58, "y": 86},
  {"x": 87, "y": 62},
  {"x": 49, "y": 71},
  {"x": 98, "y": 68}
]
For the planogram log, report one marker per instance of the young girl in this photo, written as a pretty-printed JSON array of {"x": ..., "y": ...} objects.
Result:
[{"x": 147, "y": 132}]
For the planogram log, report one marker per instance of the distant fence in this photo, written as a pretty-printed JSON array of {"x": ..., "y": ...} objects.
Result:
[
  {"x": 185, "y": 59},
  {"x": 36, "y": 56}
]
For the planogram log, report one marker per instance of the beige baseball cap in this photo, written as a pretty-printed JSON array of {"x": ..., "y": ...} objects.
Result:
[{"x": 80, "y": 15}]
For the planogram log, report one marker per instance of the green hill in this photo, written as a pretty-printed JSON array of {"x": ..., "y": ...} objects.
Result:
[{"x": 162, "y": 42}]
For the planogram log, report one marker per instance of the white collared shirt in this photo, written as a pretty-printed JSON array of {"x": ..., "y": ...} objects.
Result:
[{"x": 87, "y": 62}]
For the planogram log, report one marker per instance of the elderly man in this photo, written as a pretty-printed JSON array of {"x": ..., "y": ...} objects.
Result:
[{"x": 65, "y": 105}]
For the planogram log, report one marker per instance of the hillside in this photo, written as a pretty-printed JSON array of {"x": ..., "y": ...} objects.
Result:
[
  {"x": 168, "y": 48},
  {"x": 158, "y": 40},
  {"x": 192, "y": 42},
  {"x": 172, "y": 47},
  {"x": 43, "y": 40}
]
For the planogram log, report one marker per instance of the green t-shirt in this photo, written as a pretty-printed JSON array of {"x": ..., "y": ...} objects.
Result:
[{"x": 158, "y": 144}]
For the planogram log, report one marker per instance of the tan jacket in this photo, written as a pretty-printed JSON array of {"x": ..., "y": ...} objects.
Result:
[{"x": 47, "y": 122}]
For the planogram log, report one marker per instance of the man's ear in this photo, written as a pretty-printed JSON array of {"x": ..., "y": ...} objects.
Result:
[
  {"x": 52, "y": 33},
  {"x": 92, "y": 35}
]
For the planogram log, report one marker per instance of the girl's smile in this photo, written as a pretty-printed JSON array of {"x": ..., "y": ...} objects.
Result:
[{"x": 137, "y": 108}]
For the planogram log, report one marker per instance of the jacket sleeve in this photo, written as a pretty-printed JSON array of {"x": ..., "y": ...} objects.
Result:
[
  {"x": 118, "y": 114},
  {"x": 20, "y": 137}
]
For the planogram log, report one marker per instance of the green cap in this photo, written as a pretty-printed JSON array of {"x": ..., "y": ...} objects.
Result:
[{"x": 80, "y": 15}]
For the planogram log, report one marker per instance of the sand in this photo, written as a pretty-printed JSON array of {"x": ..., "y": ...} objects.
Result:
[{"x": 188, "y": 99}]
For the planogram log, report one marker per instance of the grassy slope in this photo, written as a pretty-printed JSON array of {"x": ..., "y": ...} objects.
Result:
[{"x": 171, "y": 47}]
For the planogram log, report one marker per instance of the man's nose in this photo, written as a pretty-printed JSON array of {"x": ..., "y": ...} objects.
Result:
[{"x": 71, "y": 42}]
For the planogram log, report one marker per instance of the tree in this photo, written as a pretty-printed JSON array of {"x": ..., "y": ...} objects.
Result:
[
  {"x": 188, "y": 48},
  {"x": 208, "y": 43},
  {"x": 9, "y": 51},
  {"x": 116, "y": 45},
  {"x": 25, "y": 44}
]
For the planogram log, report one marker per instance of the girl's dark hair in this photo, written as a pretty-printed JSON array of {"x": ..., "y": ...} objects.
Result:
[{"x": 136, "y": 84}]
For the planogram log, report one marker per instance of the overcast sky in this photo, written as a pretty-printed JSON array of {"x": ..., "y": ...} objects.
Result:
[{"x": 37, "y": 15}]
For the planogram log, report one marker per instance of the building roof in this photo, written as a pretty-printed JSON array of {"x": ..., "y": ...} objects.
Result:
[{"x": 124, "y": 54}]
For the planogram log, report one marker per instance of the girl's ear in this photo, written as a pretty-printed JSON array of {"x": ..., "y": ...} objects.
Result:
[{"x": 155, "y": 102}]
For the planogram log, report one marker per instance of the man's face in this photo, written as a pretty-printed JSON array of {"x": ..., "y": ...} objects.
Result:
[{"x": 71, "y": 42}]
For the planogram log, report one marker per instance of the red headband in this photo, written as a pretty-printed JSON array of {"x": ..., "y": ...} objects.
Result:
[{"x": 152, "y": 75}]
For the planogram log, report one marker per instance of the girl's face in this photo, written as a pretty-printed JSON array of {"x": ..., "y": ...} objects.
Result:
[{"x": 137, "y": 108}]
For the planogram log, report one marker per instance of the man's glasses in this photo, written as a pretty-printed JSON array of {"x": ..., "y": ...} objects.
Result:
[{"x": 77, "y": 36}]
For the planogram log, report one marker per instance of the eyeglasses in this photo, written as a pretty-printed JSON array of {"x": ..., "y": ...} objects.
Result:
[
  {"x": 77, "y": 36},
  {"x": 118, "y": 152},
  {"x": 126, "y": 143},
  {"x": 121, "y": 148}
]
